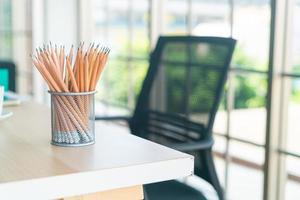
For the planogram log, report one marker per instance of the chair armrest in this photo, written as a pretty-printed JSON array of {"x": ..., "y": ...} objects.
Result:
[
  {"x": 113, "y": 118},
  {"x": 192, "y": 146}
]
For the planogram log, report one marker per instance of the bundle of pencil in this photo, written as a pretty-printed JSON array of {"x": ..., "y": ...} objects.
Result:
[{"x": 66, "y": 73}]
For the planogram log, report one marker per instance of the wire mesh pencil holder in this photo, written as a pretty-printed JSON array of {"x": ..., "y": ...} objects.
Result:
[{"x": 73, "y": 118}]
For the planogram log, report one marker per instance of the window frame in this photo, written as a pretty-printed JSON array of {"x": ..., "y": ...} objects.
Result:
[{"x": 275, "y": 133}]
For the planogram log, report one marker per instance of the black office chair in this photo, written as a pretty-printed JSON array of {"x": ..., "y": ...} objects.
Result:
[
  {"x": 8, "y": 75},
  {"x": 178, "y": 103}
]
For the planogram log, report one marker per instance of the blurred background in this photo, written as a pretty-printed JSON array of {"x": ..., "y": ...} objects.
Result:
[{"x": 250, "y": 118}]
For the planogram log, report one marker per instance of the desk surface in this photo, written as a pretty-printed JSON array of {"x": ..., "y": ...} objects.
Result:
[{"x": 31, "y": 168}]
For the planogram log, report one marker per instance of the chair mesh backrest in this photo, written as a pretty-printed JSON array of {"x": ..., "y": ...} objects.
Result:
[{"x": 183, "y": 87}]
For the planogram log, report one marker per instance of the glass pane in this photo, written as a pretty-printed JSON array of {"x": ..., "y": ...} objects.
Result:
[
  {"x": 118, "y": 23},
  {"x": 24, "y": 81},
  {"x": 136, "y": 74},
  {"x": 246, "y": 164},
  {"x": 292, "y": 190},
  {"x": 292, "y": 167},
  {"x": 5, "y": 15},
  {"x": 21, "y": 53},
  {"x": 118, "y": 41},
  {"x": 23, "y": 63},
  {"x": 118, "y": 5},
  {"x": 175, "y": 20},
  {"x": 249, "y": 155},
  {"x": 248, "y": 117},
  {"x": 205, "y": 22},
  {"x": 140, "y": 32},
  {"x": 6, "y": 40},
  {"x": 251, "y": 27},
  {"x": 292, "y": 187},
  {"x": 5, "y": 29},
  {"x": 295, "y": 40},
  {"x": 123, "y": 26},
  {"x": 244, "y": 183},
  {"x": 100, "y": 21},
  {"x": 219, "y": 149},
  {"x": 113, "y": 88},
  {"x": 219, "y": 146},
  {"x": 220, "y": 167},
  {"x": 122, "y": 90},
  {"x": 293, "y": 115},
  {"x": 220, "y": 125},
  {"x": 16, "y": 40},
  {"x": 99, "y": 4},
  {"x": 139, "y": 71}
]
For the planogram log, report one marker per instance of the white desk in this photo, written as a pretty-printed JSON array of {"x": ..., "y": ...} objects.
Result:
[{"x": 31, "y": 168}]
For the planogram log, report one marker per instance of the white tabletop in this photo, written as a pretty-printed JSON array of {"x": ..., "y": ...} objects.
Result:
[{"x": 31, "y": 168}]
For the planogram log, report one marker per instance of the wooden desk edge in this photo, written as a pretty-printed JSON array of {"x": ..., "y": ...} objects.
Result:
[{"x": 128, "y": 193}]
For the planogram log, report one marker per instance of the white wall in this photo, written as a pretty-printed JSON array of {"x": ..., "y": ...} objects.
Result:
[
  {"x": 56, "y": 21},
  {"x": 61, "y": 22}
]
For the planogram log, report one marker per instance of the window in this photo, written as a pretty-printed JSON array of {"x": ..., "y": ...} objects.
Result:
[
  {"x": 124, "y": 26},
  {"x": 130, "y": 28},
  {"x": 6, "y": 26},
  {"x": 15, "y": 40}
]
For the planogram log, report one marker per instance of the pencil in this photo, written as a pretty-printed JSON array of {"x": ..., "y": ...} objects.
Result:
[{"x": 65, "y": 74}]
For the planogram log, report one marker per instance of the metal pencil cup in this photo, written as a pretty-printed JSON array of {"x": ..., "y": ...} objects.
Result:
[{"x": 73, "y": 118}]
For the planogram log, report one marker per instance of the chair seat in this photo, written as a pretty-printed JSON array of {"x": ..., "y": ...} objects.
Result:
[{"x": 172, "y": 190}]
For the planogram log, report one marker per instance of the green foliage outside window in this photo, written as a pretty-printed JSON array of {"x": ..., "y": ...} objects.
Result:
[
  {"x": 122, "y": 75},
  {"x": 250, "y": 89}
]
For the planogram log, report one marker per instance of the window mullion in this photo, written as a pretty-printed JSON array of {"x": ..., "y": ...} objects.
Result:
[{"x": 273, "y": 173}]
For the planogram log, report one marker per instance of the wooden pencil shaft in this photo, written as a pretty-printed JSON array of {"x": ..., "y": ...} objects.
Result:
[
  {"x": 77, "y": 120},
  {"x": 63, "y": 75},
  {"x": 49, "y": 79},
  {"x": 81, "y": 72},
  {"x": 53, "y": 57},
  {"x": 70, "y": 58},
  {"x": 86, "y": 74},
  {"x": 72, "y": 77},
  {"x": 71, "y": 105},
  {"x": 71, "y": 102},
  {"x": 99, "y": 71},
  {"x": 93, "y": 71},
  {"x": 55, "y": 74}
]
